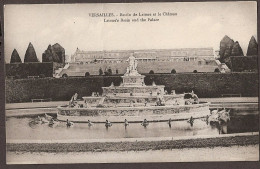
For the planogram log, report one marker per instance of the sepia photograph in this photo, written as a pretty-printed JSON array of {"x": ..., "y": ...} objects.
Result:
[{"x": 131, "y": 82}]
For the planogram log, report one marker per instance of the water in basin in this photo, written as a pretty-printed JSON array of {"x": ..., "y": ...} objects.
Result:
[{"x": 25, "y": 128}]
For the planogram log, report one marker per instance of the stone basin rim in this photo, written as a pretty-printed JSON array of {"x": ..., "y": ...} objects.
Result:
[{"x": 65, "y": 107}]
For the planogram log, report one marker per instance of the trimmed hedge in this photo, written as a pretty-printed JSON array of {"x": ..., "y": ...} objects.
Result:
[
  {"x": 208, "y": 84},
  {"x": 203, "y": 84},
  {"x": 244, "y": 63},
  {"x": 23, "y": 70},
  {"x": 23, "y": 90}
]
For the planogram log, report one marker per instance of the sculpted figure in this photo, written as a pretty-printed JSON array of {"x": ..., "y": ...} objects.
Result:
[
  {"x": 131, "y": 62},
  {"x": 86, "y": 104},
  {"x": 127, "y": 71},
  {"x": 132, "y": 67},
  {"x": 135, "y": 65},
  {"x": 73, "y": 99},
  {"x": 195, "y": 97}
]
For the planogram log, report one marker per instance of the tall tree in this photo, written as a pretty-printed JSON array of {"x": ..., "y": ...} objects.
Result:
[
  {"x": 50, "y": 56},
  {"x": 15, "y": 58},
  {"x": 54, "y": 53},
  {"x": 237, "y": 50},
  {"x": 226, "y": 45},
  {"x": 30, "y": 54},
  {"x": 60, "y": 52},
  {"x": 252, "y": 47}
]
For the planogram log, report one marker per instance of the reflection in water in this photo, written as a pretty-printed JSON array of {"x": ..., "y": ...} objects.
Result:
[{"x": 243, "y": 123}]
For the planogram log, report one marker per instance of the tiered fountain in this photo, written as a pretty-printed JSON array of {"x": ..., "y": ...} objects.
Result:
[{"x": 133, "y": 101}]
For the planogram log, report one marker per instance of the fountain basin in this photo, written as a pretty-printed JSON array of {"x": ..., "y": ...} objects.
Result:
[{"x": 133, "y": 114}]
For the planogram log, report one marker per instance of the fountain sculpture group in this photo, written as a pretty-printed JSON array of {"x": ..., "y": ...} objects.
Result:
[{"x": 133, "y": 101}]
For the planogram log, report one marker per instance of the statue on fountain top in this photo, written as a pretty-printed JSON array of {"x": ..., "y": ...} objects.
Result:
[{"x": 131, "y": 69}]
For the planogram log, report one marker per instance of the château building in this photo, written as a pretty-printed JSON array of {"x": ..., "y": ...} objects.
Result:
[
  {"x": 83, "y": 63},
  {"x": 118, "y": 56}
]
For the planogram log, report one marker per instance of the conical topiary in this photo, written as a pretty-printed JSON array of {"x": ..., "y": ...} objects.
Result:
[
  {"x": 15, "y": 58},
  {"x": 237, "y": 50},
  {"x": 30, "y": 54},
  {"x": 252, "y": 47}
]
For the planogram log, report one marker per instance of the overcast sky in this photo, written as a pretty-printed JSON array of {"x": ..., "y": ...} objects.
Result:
[{"x": 201, "y": 24}]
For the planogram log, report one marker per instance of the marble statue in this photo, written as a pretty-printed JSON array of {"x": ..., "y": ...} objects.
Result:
[
  {"x": 127, "y": 70},
  {"x": 132, "y": 67},
  {"x": 73, "y": 100}
]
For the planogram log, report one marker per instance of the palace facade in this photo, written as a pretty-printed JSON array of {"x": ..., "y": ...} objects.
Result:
[{"x": 118, "y": 56}]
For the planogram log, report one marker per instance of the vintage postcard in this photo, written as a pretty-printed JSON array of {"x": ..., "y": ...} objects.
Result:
[{"x": 131, "y": 82}]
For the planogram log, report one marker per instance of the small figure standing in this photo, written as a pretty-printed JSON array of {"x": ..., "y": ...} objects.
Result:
[
  {"x": 191, "y": 121},
  {"x": 90, "y": 123},
  {"x": 145, "y": 123},
  {"x": 207, "y": 119},
  {"x": 69, "y": 123},
  {"x": 170, "y": 123},
  {"x": 108, "y": 124},
  {"x": 126, "y": 123}
]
